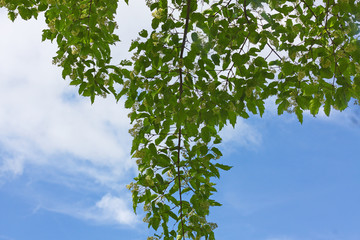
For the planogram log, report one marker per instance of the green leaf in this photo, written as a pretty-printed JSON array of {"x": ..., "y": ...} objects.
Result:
[
  {"x": 25, "y": 13},
  {"x": 299, "y": 114},
  {"x": 326, "y": 73},
  {"x": 194, "y": 36},
  {"x": 260, "y": 62},
  {"x": 205, "y": 134},
  {"x": 223, "y": 167},
  {"x": 143, "y": 33},
  {"x": 239, "y": 59},
  {"x": 173, "y": 215},
  {"x": 251, "y": 106},
  {"x": 214, "y": 170},
  {"x": 153, "y": 149},
  {"x": 288, "y": 68},
  {"x": 216, "y": 151},
  {"x": 155, "y": 222},
  {"x": 254, "y": 37},
  {"x": 155, "y": 23},
  {"x": 232, "y": 118},
  {"x": 129, "y": 103},
  {"x": 216, "y": 59},
  {"x": 314, "y": 106},
  {"x": 283, "y": 106},
  {"x": 327, "y": 108}
]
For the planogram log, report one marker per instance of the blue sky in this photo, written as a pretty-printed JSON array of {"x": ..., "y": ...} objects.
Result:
[{"x": 64, "y": 164}]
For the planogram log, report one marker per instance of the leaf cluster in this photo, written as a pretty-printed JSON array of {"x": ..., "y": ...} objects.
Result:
[{"x": 203, "y": 65}]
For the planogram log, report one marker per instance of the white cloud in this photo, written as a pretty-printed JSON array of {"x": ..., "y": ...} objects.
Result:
[
  {"x": 110, "y": 209},
  {"x": 46, "y": 126},
  {"x": 42, "y": 117},
  {"x": 115, "y": 209},
  {"x": 242, "y": 135},
  {"x": 12, "y": 165}
]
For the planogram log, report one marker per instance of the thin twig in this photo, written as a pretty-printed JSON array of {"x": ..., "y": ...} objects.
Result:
[{"x": 273, "y": 50}]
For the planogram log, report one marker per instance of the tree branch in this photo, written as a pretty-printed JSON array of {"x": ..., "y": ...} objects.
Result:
[{"x": 180, "y": 96}]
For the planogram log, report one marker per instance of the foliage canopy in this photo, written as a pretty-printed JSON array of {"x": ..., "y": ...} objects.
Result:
[{"x": 204, "y": 64}]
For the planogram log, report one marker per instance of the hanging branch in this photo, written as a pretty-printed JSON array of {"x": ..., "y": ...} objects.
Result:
[{"x": 180, "y": 96}]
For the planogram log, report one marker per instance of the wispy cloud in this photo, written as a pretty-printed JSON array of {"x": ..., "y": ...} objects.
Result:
[
  {"x": 243, "y": 134},
  {"x": 110, "y": 209}
]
